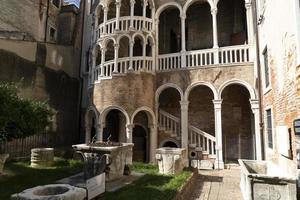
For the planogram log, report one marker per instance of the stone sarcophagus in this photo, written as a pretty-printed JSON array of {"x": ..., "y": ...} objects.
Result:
[
  {"x": 116, "y": 154},
  {"x": 171, "y": 160},
  {"x": 263, "y": 180}
]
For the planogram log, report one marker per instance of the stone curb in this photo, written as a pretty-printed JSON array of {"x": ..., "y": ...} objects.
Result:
[{"x": 185, "y": 190}]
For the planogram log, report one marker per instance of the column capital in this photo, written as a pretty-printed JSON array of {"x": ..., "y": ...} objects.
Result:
[
  {"x": 116, "y": 46},
  {"x": 248, "y": 5},
  {"x": 152, "y": 126},
  {"x": 103, "y": 49},
  {"x": 184, "y": 105},
  {"x": 217, "y": 101},
  {"x": 183, "y": 16},
  {"x": 105, "y": 9},
  {"x": 130, "y": 126},
  {"x": 132, "y": 2},
  {"x": 214, "y": 11},
  {"x": 118, "y": 3},
  {"x": 254, "y": 104},
  {"x": 145, "y": 3}
]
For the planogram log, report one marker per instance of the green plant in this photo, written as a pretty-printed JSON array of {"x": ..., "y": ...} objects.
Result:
[{"x": 20, "y": 117}]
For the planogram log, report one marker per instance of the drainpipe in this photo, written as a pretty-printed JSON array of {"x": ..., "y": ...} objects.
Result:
[
  {"x": 259, "y": 82},
  {"x": 46, "y": 23},
  {"x": 81, "y": 67}
]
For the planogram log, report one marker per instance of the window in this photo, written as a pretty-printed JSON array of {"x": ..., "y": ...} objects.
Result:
[
  {"x": 269, "y": 128},
  {"x": 52, "y": 34},
  {"x": 56, "y": 3},
  {"x": 267, "y": 70}
]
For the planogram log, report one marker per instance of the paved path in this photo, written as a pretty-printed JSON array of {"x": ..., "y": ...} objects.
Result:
[{"x": 218, "y": 185}]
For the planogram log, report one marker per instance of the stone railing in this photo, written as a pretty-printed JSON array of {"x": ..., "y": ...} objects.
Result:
[
  {"x": 169, "y": 123},
  {"x": 138, "y": 24},
  {"x": 203, "y": 140},
  {"x": 124, "y": 65},
  {"x": 207, "y": 57}
]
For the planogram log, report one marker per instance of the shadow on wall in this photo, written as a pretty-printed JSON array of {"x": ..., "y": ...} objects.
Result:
[{"x": 42, "y": 83}]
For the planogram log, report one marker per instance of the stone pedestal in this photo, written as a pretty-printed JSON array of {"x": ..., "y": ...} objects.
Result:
[
  {"x": 171, "y": 160},
  {"x": 53, "y": 192},
  {"x": 42, "y": 157}
]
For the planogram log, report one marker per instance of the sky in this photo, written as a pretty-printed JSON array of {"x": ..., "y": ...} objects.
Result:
[{"x": 75, "y": 2}]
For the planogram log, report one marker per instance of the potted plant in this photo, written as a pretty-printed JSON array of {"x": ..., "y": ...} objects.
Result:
[{"x": 19, "y": 117}]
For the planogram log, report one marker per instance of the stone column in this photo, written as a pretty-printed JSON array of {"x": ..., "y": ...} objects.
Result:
[
  {"x": 118, "y": 6},
  {"x": 157, "y": 43},
  {"x": 96, "y": 18},
  {"x": 249, "y": 14},
  {"x": 131, "y": 55},
  {"x": 103, "y": 52},
  {"x": 87, "y": 134},
  {"x": 214, "y": 12},
  {"x": 255, "y": 110},
  {"x": 129, "y": 130},
  {"x": 153, "y": 142},
  {"x": 105, "y": 10},
  {"x": 183, "y": 44},
  {"x": 145, "y": 4},
  {"x": 132, "y": 3},
  {"x": 99, "y": 132},
  {"x": 144, "y": 55},
  {"x": 219, "y": 163},
  {"x": 184, "y": 127},
  {"x": 116, "y": 46}
]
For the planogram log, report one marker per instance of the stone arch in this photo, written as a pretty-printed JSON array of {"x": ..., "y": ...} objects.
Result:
[
  {"x": 147, "y": 110},
  {"x": 150, "y": 38},
  {"x": 142, "y": 37},
  {"x": 167, "y": 5},
  {"x": 121, "y": 36},
  {"x": 161, "y": 144},
  {"x": 91, "y": 119},
  {"x": 190, "y": 2},
  {"x": 165, "y": 86},
  {"x": 94, "y": 110},
  {"x": 107, "y": 40},
  {"x": 250, "y": 89},
  {"x": 201, "y": 83},
  {"x": 109, "y": 108}
]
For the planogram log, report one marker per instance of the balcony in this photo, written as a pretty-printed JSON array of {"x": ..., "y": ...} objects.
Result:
[
  {"x": 138, "y": 23},
  {"x": 230, "y": 55}
]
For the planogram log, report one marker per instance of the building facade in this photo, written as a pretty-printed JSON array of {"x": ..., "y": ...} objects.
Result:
[{"x": 174, "y": 73}]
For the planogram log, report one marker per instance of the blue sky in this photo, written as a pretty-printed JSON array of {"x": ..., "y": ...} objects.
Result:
[{"x": 76, "y": 2}]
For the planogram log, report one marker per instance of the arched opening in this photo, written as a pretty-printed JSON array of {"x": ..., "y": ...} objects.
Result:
[
  {"x": 125, "y": 8},
  {"x": 232, "y": 22},
  {"x": 140, "y": 137},
  {"x": 115, "y": 126},
  {"x": 110, "y": 51},
  {"x": 201, "y": 109},
  {"x": 170, "y": 31},
  {"x": 100, "y": 15},
  {"x": 124, "y": 47},
  {"x": 111, "y": 11},
  {"x": 149, "y": 47},
  {"x": 199, "y": 33},
  {"x": 148, "y": 11},
  {"x": 237, "y": 124},
  {"x": 169, "y": 114},
  {"x": 138, "y": 8},
  {"x": 138, "y": 46},
  {"x": 170, "y": 144}
]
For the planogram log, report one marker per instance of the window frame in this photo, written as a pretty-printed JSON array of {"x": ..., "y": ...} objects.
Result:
[
  {"x": 266, "y": 70},
  {"x": 270, "y": 149},
  {"x": 50, "y": 39},
  {"x": 59, "y": 5}
]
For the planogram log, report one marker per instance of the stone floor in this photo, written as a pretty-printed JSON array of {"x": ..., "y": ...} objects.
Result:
[{"x": 218, "y": 185}]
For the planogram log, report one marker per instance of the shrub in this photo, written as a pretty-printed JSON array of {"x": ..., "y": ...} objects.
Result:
[{"x": 20, "y": 117}]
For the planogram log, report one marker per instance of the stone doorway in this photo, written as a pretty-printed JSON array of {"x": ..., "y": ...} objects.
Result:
[
  {"x": 140, "y": 144},
  {"x": 237, "y": 124}
]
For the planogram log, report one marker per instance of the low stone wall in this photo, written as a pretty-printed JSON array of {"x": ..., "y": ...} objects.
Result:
[{"x": 185, "y": 191}]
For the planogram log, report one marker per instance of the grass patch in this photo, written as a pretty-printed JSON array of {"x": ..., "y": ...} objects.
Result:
[
  {"x": 151, "y": 186},
  {"x": 20, "y": 175}
]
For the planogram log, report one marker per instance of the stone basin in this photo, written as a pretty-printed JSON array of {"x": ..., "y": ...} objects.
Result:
[
  {"x": 53, "y": 192},
  {"x": 120, "y": 154},
  {"x": 264, "y": 180}
]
